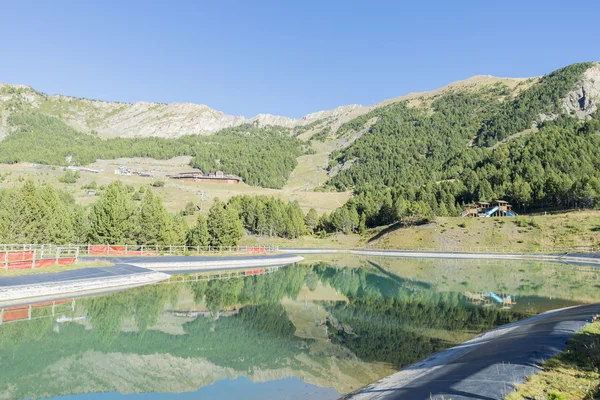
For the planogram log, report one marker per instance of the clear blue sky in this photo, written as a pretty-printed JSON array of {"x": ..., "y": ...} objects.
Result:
[{"x": 283, "y": 57}]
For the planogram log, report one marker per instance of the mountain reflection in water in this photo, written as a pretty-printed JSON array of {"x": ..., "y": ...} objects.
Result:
[{"x": 337, "y": 326}]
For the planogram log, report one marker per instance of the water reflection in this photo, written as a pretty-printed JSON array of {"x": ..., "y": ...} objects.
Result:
[{"x": 338, "y": 324}]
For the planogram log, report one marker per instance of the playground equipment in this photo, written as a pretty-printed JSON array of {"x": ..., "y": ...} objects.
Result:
[
  {"x": 491, "y": 211},
  {"x": 497, "y": 208}
]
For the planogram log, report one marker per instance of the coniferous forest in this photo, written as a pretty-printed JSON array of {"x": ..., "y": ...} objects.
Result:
[
  {"x": 470, "y": 146},
  {"x": 406, "y": 160},
  {"x": 260, "y": 156}
]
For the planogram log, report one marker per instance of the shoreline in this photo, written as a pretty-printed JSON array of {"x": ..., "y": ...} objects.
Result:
[
  {"x": 579, "y": 258},
  {"x": 128, "y": 272},
  {"x": 440, "y": 359},
  {"x": 507, "y": 355}
]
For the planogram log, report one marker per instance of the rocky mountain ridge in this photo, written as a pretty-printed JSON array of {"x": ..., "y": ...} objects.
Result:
[{"x": 144, "y": 119}]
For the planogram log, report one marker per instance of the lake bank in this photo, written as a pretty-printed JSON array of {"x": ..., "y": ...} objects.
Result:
[
  {"x": 127, "y": 272},
  {"x": 488, "y": 366},
  {"x": 577, "y": 258}
]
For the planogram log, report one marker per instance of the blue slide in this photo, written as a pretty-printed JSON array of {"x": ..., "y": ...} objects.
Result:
[
  {"x": 490, "y": 212},
  {"x": 497, "y": 298}
]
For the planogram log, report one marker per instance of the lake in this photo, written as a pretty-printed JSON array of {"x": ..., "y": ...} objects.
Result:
[{"x": 318, "y": 329}]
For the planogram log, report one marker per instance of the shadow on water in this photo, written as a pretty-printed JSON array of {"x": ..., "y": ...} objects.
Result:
[{"x": 397, "y": 279}]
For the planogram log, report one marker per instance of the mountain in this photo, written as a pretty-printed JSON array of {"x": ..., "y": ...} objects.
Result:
[
  {"x": 535, "y": 145},
  {"x": 143, "y": 119},
  {"x": 531, "y": 141}
]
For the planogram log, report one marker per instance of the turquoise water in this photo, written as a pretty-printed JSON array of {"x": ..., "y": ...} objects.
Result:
[
  {"x": 240, "y": 388},
  {"x": 315, "y": 330}
]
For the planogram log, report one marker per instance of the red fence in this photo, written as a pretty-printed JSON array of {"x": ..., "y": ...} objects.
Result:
[
  {"x": 29, "y": 259},
  {"x": 97, "y": 250},
  {"x": 16, "y": 256},
  {"x": 23, "y": 256},
  {"x": 256, "y": 250},
  {"x": 256, "y": 271},
  {"x": 151, "y": 250},
  {"x": 18, "y": 313}
]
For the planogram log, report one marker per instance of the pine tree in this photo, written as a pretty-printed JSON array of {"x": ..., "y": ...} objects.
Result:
[
  {"x": 57, "y": 221},
  {"x": 198, "y": 234},
  {"x": 311, "y": 220},
  {"x": 276, "y": 218},
  {"x": 153, "y": 222},
  {"x": 217, "y": 223},
  {"x": 12, "y": 217},
  {"x": 224, "y": 225},
  {"x": 362, "y": 225},
  {"x": 354, "y": 219},
  {"x": 178, "y": 230},
  {"x": 295, "y": 220},
  {"x": 33, "y": 224},
  {"x": 234, "y": 228},
  {"x": 80, "y": 223},
  {"x": 111, "y": 216}
]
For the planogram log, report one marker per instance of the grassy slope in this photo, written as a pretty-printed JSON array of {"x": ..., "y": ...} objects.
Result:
[
  {"x": 537, "y": 233},
  {"x": 177, "y": 193},
  {"x": 522, "y": 234},
  {"x": 573, "y": 374}
]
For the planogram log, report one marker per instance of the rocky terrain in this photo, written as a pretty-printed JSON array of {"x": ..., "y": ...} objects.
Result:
[
  {"x": 583, "y": 100},
  {"x": 143, "y": 119}
]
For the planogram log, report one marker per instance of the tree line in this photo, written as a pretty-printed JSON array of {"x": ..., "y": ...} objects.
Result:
[
  {"x": 43, "y": 214},
  {"x": 123, "y": 215}
]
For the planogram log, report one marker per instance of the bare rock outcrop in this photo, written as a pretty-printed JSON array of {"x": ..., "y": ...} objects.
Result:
[{"x": 583, "y": 100}]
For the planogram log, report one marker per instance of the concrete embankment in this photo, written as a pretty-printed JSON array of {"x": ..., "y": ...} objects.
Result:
[
  {"x": 187, "y": 264},
  {"x": 488, "y": 366},
  {"x": 128, "y": 272},
  {"x": 86, "y": 281},
  {"x": 579, "y": 258},
  {"x": 570, "y": 258}
]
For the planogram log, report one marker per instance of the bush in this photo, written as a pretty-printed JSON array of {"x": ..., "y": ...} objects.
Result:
[
  {"x": 92, "y": 185},
  {"x": 553, "y": 395},
  {"x": 69, "y": 177}
]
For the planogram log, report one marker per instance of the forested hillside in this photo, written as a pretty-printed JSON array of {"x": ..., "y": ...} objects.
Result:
[
  {"x": 260, "y": 156},
  {"x": 532, "y": 142},
  {"x": 425, "y": 160},
  {"x": 544, "y": 97}
]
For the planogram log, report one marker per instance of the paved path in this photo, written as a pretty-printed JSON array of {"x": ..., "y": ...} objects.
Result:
[
  {"x": 72, "y": 275},
  {"x": 485, "y": 368},
  {"x": 123, "y": 267},
  {"x": 188, "y": 264}
]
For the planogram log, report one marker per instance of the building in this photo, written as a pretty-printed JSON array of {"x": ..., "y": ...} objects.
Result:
[
  {"x": 198, "y": 176},
  {"x": 83, "y": 169},
  {"x": 123, "y": 170},
  {"x": 497, "y": 208}
]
